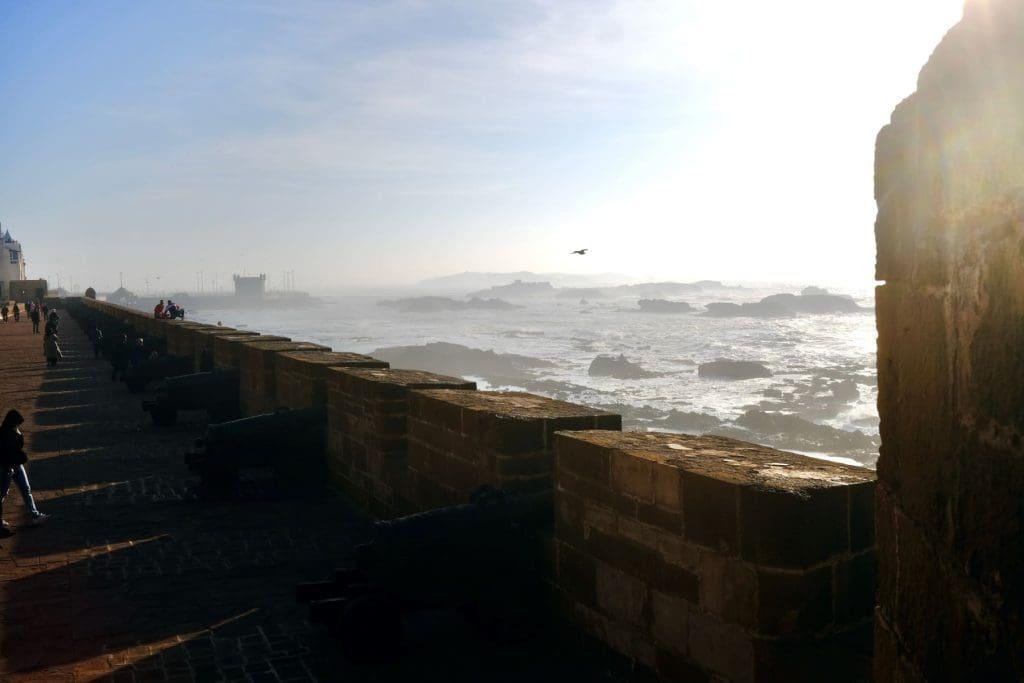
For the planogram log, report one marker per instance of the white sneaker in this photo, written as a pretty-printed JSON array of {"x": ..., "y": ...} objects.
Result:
[{"x": 39, "y": 519}]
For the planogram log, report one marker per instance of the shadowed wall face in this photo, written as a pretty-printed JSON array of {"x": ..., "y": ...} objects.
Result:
[
  {"x": 949, "y": 182},
  {"x": 256, "y": 370},
  {"x": 705, "y": 558}
]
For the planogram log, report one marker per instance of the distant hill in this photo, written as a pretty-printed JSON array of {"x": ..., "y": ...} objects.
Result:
[{"x": 516, "y": 289}]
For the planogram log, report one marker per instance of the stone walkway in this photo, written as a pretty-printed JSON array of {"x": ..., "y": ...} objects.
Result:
[{"x": 138, "y": 578}]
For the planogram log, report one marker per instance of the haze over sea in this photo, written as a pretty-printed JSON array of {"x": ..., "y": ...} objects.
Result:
[{"x": 820, "y": 399}]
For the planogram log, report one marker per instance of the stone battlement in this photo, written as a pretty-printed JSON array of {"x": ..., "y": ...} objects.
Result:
[{"x": 687, "y": 555}]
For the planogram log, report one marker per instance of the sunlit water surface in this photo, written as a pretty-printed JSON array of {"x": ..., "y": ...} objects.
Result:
[{"x": 570, "y": 334}]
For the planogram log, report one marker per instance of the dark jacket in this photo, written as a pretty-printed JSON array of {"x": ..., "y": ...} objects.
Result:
[{"x": 12, "y": 448}]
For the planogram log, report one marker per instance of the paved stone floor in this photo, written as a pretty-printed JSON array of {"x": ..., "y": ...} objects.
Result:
[{"x": 138, "y": 578}]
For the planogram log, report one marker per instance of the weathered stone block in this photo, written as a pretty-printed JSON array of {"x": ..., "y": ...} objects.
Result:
[
  {"x": 627, "y": 640},
  {"x": 500, "y": 434},
  {"x": 622, "y": 596},
  {"x": 668, "y": 484},
  {"x": 632, "y": 476},
  {"x": 709, "y": 605},
  {"x": 856, "y": 586},
  {"x": 257, "y": 375},
  {"x": 711, "y": 512},
  {"x": 577, "y": 574},
  {"x": 729, "y": 589},
  {"x": 179, "y": 337},
  {"x": 371, "y": 407},
  {"x": 226, "y": 347},
  {"x": 795, "y": 528},
  {"x": 302, "y": 375},
  {"x": 670, "y": 618},
  {"x": 794, "y": 603},
  {"x": 721, "y": 647},
  {"x": 582, "y": 458},
  {"x": 915, "y": 404},
  {"x": 862, "y": 516}
]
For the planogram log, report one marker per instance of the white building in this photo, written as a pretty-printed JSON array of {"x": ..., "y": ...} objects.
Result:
[{"x": 12, "y": 264}]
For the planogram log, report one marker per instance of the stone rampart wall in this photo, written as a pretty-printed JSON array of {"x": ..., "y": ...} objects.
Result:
[
  {"x": 949, "y": 182},
  {"x": 700, "y": 555},
  {"x": 692, "y": 557}
]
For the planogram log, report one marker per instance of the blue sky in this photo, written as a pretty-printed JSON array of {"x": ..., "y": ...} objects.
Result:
[{"x": 360, "y": 143}]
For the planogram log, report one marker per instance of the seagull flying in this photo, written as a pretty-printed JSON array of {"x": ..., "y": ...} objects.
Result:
[{"x": 581, "y": 252}]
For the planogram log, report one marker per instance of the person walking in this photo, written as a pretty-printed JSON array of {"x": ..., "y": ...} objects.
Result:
[
  {"x": 51, "y": 349},
  {"x": 51, "y": 323},
  {"x": 17, "y": 312},
  {"x": 119, "y": 358},
  {"x": 12, "y": 468},
  {"x": 97, "y": 340},
  {"x": 3, "y": 312},
  {"x": 34, "y": 315}
]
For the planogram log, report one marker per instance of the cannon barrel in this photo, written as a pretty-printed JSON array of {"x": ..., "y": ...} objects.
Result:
[
  {"x": 153, "y": 369},
  {"x": 290, "y": 441},
  {"x": 484, "y": 558},
  {"x": 488, "y": 511},
  {"x": 216, "y": 392},
  {"x": 451, "y": 556}
]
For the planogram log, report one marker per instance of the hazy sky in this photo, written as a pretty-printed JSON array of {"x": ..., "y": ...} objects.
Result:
[{"x": 364, "y": 142}]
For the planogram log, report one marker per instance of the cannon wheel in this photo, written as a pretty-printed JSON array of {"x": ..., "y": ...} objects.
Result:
[
  {"x": 164, "y": 417},
  {"x": 223, "y": 413},
  {"x": 219, "y": 479},
  {"x": 369, "y": 629},
  {"x": 136, "y": 385}
]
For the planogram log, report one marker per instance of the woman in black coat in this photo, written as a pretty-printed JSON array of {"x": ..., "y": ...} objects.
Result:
[{"x": 12, "y": 468}]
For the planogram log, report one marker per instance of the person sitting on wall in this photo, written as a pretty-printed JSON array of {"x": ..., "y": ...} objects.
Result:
[
  {"x": 174, "y": 310},
  {"x": 158, "y": 310}
]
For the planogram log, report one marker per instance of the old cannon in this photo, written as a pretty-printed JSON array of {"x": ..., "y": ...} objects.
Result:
[
  {"x": 290, "y": 441},
  {"x": 216, "y": 392},
  {"x": 484, "y": 559},
  {"x": 155, "y": 368}
]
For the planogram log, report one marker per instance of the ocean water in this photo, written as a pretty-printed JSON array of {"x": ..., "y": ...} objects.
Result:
[{"x": 821, "y": 398}]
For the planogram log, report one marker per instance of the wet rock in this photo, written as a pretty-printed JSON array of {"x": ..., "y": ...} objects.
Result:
[
  {"x": 664, "y": 306},
  {"x": 693, "y": 423},
  {"x": 784, "y": 305},
  {"x": 618, "y": 367},
  {"x": 793, "y": 432},
  {"x": 845, "y": 390},
  {"x": 732, "y": 369},
  {"x": 460, "y": 361}
]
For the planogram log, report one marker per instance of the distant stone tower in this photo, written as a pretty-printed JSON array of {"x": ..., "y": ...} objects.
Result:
[
  {"x": 12, "y": 264},
  {"x": 250, "y": 287}
]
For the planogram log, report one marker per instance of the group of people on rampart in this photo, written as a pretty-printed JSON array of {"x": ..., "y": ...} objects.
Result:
[
  {"x": 12, "y": 441},
  {"x": 36, "y": 311},
  {"x": 170, "y": 311}
]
